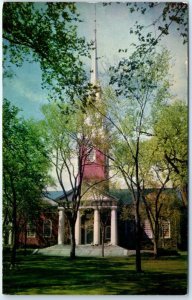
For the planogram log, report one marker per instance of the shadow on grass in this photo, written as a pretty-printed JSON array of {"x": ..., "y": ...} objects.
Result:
[{"x": 37, "y": 274}]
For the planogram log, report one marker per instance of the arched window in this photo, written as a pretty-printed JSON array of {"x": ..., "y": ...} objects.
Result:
[
  {"x": 31, "y": 232},
  {"x": 92, "y": 155},
  {"x": 47, "y": 228}
]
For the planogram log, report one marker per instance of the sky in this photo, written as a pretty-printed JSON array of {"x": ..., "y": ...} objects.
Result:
[{"x": 113, "y": 24}]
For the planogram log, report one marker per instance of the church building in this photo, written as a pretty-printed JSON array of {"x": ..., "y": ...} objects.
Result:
[{"x": 99, "y": 214}]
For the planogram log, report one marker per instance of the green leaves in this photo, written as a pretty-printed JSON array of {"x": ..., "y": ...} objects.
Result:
[
  {"x": 169, "y": 15},
  {"x": 25, "y": 164},
  {"x": 141, "y": 84},
  {"x": 142, "y": 74},
  {"x": 44, "y": 32},
  {"x": 171, "y": 131}
]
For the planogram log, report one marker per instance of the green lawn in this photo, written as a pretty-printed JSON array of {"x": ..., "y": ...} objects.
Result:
[{"x": 38, "y": 274}]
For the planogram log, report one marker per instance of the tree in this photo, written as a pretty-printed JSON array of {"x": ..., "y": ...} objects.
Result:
[
  {"x": 154, "y": 174},
  {"x": 168, "y": 15},
  {"x": 101, "y": 199},
  {"x": 162, "y": 209},
  {"x": 47, "y": 33},
  {"x": 25, "y": 167},
  {"x": 171, "y": 131},
  {"x": 104, "y": 218},
  {"x": 71, "y": 138},
  {"x": 139, "y": 83}
]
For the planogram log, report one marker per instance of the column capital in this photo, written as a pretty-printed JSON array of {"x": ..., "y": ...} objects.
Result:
[
  {"x": 113, "y": 207},
  {"x": 61, "y": 208}
]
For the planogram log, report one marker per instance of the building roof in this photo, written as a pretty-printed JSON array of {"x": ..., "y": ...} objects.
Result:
[
  {"x": 56, "y": 195},
  {"x": 126, "y": 197},
  {"x": 123, "y": 195}
]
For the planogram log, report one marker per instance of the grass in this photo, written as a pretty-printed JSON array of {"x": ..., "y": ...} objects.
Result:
[{"x": 37, "y": 274}]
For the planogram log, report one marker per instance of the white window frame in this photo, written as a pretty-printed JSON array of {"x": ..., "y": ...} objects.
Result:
[
  {"x": 31, "y": 232},
  {"x": 147, "y": 229},
  {"x": 165, "y": 223},
  {"x": 50, "y": 227}
]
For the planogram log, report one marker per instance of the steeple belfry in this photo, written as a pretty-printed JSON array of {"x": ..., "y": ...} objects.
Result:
[{"x": 94, "y": 70}]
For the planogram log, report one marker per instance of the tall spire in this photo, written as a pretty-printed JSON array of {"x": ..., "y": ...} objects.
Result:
[{"x": 94, "y": 70}]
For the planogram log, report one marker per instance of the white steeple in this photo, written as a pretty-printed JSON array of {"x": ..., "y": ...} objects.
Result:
[{"x": 94, "y": 70}]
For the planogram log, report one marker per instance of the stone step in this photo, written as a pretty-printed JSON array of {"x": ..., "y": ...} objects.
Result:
[{"x": 85, "y": 250}]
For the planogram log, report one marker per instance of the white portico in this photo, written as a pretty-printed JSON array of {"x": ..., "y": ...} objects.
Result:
[{"x": 97, "y": 208}]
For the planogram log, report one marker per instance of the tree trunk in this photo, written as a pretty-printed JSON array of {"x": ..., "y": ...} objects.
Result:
[
  {"x": 103, "y": 240},
  {"x": 138, "y": 242},
  {"x": 73, "y": 244},
  {"x": 25, "y": 239},
  {"x": 156, "y": 240},
  {"x": 137, "y": 217},
  {"x": 184, "y": 194},
  {"x": 14, "y": 234},
  {"x": 155, "y": 248}
]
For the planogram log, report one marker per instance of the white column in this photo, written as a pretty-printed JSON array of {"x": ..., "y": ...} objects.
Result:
[
  {"x": 96, "y": 227},
  {"x": 78, "y": 229},
  {"x": 10, "y": 237},
  {"x": 114, "y": 225},
  {"x": 61, "y": 226}
]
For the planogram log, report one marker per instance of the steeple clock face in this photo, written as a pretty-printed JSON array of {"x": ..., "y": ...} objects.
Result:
[{"x": 92, "y": 155}]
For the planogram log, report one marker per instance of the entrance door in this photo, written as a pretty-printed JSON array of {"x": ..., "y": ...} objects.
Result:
[{"x": 89, "y": 235}]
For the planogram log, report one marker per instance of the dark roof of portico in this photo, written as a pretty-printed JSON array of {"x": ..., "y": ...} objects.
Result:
[
  {"x": 120, "y": 195},
  {"x": 59, "y": 195}
]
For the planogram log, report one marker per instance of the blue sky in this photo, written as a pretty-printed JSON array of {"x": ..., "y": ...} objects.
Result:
[{"x": 113, "y": 24}]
